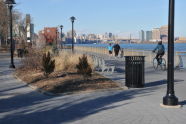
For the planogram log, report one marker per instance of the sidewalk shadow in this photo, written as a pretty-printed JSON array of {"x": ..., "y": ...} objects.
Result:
[
  {"x": 155, "y": 83},
  {"x": 182, "y": 102},
  {"x": 35, "y": 108},
  {"x": 12, "y": 88},
  {"x": 160, "y": 82},
  {"x": 6, "y": 72}
]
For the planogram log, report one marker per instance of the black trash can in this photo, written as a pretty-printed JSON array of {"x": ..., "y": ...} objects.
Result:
[
  {"x": 20, "y": 52},
  {"x": 134, "y": 71}
]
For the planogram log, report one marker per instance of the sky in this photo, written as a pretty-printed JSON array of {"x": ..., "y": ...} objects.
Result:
[{"x": 122, "y": 17}]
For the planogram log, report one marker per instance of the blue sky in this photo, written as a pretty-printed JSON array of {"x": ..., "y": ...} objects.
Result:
[{"x": 98, "y": 16}]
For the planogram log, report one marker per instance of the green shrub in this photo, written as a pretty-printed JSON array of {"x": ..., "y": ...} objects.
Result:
[
  {"x": 83, "y": 67},
  {"x": 48, "y": 64}
]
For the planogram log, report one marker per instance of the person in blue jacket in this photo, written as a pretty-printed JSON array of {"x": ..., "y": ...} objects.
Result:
[
  {"x": 110, "y": 49},
  {"x": 160, "y": 51}
]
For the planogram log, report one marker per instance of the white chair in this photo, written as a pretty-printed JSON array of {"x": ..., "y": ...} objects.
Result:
[
  {"x": 180, "y": 66},
  {"x": 104, "y": 67}
]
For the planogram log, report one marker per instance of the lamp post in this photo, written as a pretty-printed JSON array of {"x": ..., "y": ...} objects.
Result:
[
  {"x": 10, "y": 6},
  {"x": 72, "y": 20},
  {"x": 61, "y": 26},
  {"x": 170, "y": 99}
]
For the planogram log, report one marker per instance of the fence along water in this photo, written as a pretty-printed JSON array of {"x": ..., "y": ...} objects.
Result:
[{"x": 128, "y": 52}]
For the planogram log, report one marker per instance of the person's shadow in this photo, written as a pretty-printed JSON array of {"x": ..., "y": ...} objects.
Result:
[{"x": 182, "y": 102}]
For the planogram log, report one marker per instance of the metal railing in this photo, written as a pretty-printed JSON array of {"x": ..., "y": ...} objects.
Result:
[{"x": 128, "y": 52}]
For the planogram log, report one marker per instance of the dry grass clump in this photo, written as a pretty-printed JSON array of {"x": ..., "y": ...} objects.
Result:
[
  {"x": 66, "y": 77},
  {"x": 33, "y": 59},
  {"x": 47, "y": 49},
  {"x": 67, "y": 61}
]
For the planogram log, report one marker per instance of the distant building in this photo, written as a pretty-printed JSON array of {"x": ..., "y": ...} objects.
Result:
[
  {"x": 106, "y": 36},
  {"x": 164, "y": 33},
  {"x": 32, "y": 34},
  {"x": 110, "y": 35},
  {"x": 41, "y": 41},
  {"x": 148, "y": 35},
  {"x": 50, "y": 34},
  {"x": 68, "y": 38},
  {"x": 92, "y": 36},
  {"x": 180, "y": 40},
  {"x": 100, "y": 36},
  {"x": 142, "y": 36},
  {"x": 28, "y": 28},
  {"x": 156, "y": 34}
]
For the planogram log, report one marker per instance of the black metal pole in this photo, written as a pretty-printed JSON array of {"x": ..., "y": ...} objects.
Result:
[
  {"x": 170, "y": 98},
  {"x": 11, "y": 39},
  {"x": 72, "y": 36}
]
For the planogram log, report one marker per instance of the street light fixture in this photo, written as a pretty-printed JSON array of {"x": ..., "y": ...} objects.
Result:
[
  {"x": 72, "y": 20},
  {"x": 61, "y": 26},
  {"x": 170, "y": 99},
  {"x": 10, "y": 6}
]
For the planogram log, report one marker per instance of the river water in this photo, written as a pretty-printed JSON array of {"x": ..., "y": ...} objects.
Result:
[{"x": 179, "y": 47}]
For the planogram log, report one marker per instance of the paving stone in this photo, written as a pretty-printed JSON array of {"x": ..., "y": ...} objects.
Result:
[{"x": 20, "y": 104}]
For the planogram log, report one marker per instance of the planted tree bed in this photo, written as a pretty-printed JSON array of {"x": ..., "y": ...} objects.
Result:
[{"x": 64, "y": 82}]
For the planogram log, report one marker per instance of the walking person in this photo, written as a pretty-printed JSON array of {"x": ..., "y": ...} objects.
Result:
[
  {"x": 110, "y": 49},
  {"x": 116, "y": 49}
]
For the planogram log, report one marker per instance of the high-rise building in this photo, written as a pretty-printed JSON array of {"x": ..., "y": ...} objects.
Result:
[
  {"x": 28, "y": 28},
  {"x": 148, "y": 35},
  {"x": 164, "y": 33},
  {"x": 156, "y": 34},
  {"x": 106, "y": 35},
  {"x": 142, "y": 36},
  {"x": 110, "y": 35}
]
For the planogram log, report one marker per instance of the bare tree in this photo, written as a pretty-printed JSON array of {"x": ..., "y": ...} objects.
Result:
[
  {"x": 3, "y": 23},
  {"x": 19, "y": 26},
  {"x": 19, "y": 29}
]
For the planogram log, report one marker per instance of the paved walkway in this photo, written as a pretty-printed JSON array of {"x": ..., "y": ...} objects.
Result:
[{"x": 20, "y": 104}]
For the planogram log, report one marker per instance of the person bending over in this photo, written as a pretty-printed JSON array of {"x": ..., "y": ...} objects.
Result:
[{"x": 116, "y": 49}]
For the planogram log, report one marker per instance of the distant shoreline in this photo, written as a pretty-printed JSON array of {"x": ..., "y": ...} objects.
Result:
[
  {"x": 152, "y": 43},
  {"x": 179, "y": 47}
]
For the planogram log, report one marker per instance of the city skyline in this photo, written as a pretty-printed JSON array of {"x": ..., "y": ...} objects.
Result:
[{"x": 93, "y": 16}]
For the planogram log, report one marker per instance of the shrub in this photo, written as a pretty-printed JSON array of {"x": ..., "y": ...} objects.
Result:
[
  {"x": 83, "y": 66},
  {"x": 48, "y": 64},
  {"x": 32, "y": 59}
]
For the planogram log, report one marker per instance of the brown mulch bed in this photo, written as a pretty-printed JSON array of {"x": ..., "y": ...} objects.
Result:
[{"x": 60, "y": 82}]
